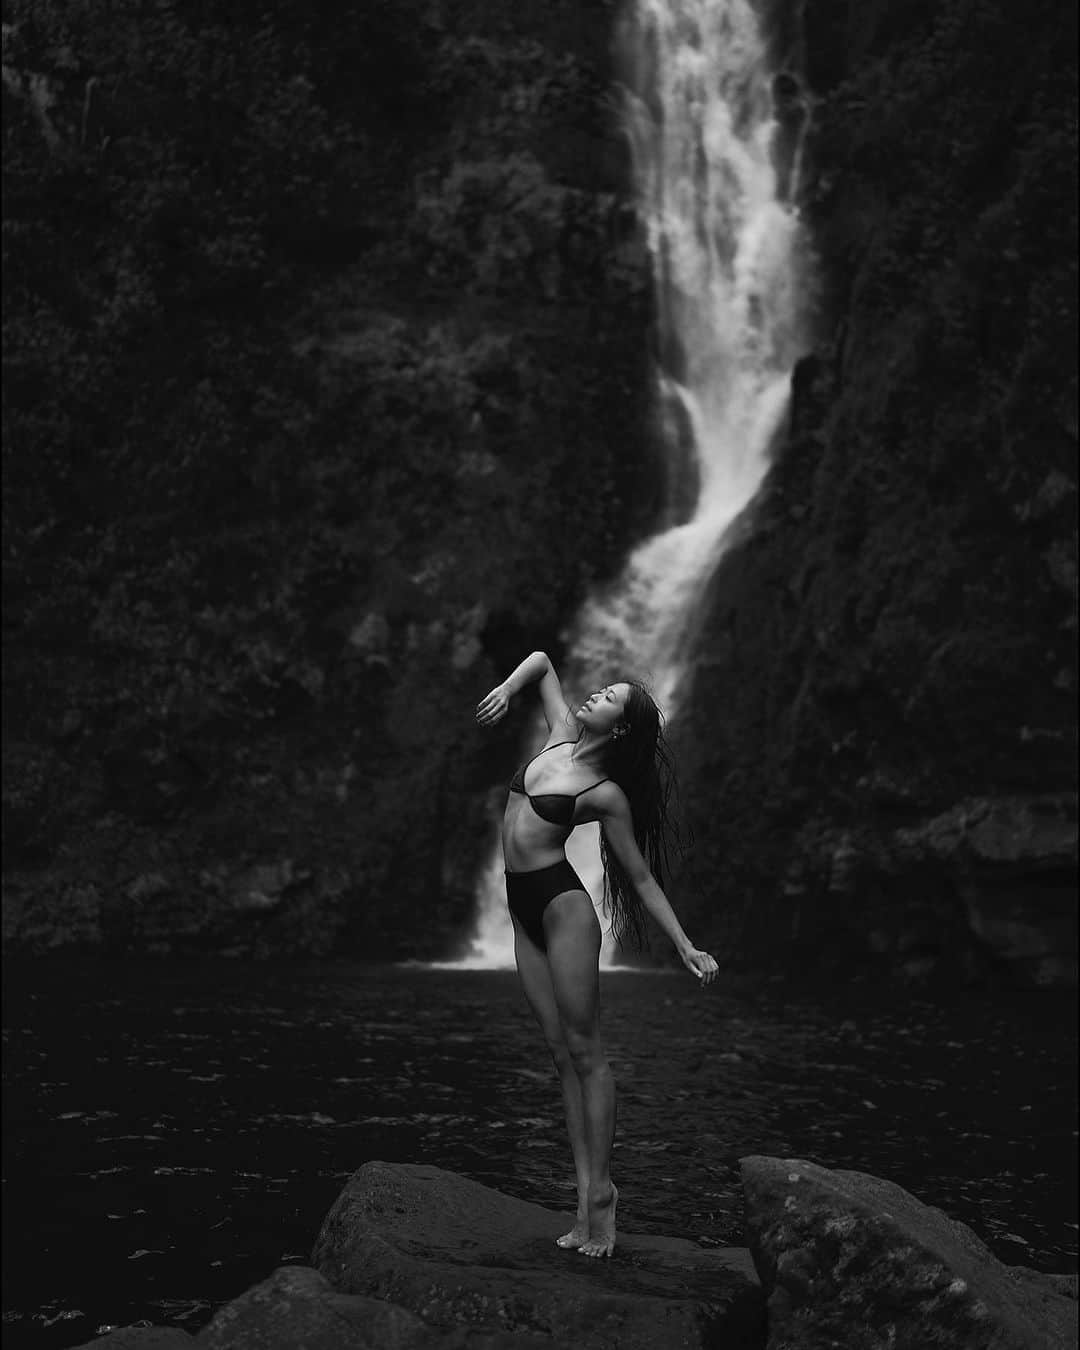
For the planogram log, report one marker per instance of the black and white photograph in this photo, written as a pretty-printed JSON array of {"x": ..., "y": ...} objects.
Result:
[{"x": 539, "y": 675}]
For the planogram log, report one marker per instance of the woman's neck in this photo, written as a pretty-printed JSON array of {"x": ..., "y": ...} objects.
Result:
[{"x": 590, "y": 746}]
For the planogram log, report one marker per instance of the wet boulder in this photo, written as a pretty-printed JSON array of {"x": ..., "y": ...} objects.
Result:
[
  {"x": 461, "y": 1255},
  {"x": 853, "y": 1260}
]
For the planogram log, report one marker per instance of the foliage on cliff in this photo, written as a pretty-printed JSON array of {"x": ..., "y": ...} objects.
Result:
[
  {"x": 323, "y": 390},
  {"x": 890, "y": 651}
]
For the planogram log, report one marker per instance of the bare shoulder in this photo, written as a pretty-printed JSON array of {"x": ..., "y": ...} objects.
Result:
[{"x": 609, "y": 801}]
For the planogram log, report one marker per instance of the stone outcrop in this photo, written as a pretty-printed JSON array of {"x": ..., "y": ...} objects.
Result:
[
  {"x": 851, "y": 1260},
  {"x": 986, "y": 887},
  {"x": 456, "y": 1252},
  {"x": 297, "y": 1306},
  {"x": 1012, "y": 862},
  {"x": 418, "y": 1258}
]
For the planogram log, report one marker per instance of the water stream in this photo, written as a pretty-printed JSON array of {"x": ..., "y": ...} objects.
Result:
[
  {"x": 716, "y": 178},
  {"x": 174, "y": 1130}
]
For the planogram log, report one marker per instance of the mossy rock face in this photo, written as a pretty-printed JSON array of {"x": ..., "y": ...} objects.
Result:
[
  {"x": 894, "y": 634},
  {"x": 314, "y": 358}
]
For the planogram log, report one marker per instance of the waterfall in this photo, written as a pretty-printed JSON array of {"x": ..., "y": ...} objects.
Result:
[{"x": 716, "y": 139}]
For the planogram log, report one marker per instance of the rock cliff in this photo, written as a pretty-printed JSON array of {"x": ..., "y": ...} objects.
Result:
[
  {"x": 880, "y": 750},
  {"x": 326, "y": 398}
]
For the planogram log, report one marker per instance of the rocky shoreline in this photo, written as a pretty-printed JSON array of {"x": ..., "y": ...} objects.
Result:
[{"x": 413, "y": 1257}]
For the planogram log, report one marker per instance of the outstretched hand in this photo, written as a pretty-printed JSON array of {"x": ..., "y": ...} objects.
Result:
[
  {"x": 702, "y": 965},
  {"x": 492, "y": 708}
]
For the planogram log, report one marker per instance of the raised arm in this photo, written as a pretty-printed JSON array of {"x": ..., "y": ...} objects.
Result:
[
  {"x": 616, "y": 822},
  {"x": 536, "y": 666}
]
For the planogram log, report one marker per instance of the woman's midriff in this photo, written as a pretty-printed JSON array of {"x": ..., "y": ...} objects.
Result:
[{"x": 529, "y": 843}]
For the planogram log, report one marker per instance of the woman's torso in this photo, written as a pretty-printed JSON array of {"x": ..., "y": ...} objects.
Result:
[{"x": 549, "y": 796}]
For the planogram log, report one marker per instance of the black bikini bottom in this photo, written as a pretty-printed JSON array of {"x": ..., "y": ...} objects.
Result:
[{"x": 529, "y": 893}]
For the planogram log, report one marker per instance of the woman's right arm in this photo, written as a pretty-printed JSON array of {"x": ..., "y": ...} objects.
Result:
[
  {"x": 618, "y": 826},
  {"x": 536, "y": 666}
]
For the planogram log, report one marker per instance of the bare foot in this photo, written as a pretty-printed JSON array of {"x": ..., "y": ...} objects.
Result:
[
  {"x": 601, "y": 1223},
  {"x": 579, "y": 1234}
]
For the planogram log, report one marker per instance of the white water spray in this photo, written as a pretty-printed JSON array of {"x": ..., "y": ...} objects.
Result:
[{"x": 715, "y": 173}]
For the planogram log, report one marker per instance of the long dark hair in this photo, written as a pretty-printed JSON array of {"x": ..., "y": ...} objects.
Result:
[{"x": 639, "y": 760}]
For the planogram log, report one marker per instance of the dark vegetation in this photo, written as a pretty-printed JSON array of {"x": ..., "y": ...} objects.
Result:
[
  {"x": 886, "y": 698},
  {"x": 316, "y": 322}
]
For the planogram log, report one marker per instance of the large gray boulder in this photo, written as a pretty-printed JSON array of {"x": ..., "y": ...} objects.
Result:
[
  {"x": 849, "y": 1260},
  {"x": 141, "y": 1338},
  {"x": 459, "y": 1254},
  {"x": 297, "y": 1307}
]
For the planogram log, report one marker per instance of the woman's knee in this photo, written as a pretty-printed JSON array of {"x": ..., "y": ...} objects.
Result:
[
  {"x": 560, "y": 1053},
  {"x": 585, "y": 1052}
]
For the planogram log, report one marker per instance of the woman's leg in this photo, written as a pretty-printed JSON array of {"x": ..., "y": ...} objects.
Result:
[
  {"x": 573, "y": 937},
  {"x": 536, "y": 980}
]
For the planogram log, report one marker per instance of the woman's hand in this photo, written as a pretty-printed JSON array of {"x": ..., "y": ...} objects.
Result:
[
  {"x": 700, "y": 964},
  {"x": 492, "y": 708}
]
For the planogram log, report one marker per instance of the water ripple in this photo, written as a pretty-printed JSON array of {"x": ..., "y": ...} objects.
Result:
[{"x": 140, "y": 1196}]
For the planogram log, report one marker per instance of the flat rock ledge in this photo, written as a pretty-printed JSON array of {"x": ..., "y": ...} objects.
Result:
[
  {"x": 459, "y": 1254},
  {"x": 849, "y": 1260},
  {"x": 417, "y": 1258}
]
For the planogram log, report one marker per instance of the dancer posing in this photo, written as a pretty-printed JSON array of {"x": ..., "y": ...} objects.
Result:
[{"x": 605, "y": 760}]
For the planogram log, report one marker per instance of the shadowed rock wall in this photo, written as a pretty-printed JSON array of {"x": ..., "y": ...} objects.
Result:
[
  {"x": 325, "y": 399},
  {"x": 882, "y": 759}
]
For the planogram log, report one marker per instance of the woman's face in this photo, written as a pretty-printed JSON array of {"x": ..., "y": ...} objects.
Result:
[{"x": 603, "y": 711}]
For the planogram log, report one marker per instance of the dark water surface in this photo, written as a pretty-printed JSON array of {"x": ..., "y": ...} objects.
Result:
[{"x": 175, "y": 1131}]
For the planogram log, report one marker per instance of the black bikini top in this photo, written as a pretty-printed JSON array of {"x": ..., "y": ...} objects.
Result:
[{"x": 557, "y": 808}]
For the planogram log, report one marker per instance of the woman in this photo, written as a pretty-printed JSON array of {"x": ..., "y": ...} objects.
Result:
[{"x": 604, "y": 761}]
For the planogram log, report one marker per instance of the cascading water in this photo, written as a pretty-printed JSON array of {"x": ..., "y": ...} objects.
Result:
[{"x": 716, "y": 155}]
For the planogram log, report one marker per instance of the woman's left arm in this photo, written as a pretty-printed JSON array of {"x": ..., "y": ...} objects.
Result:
[{"x": 615, "y": 821}]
